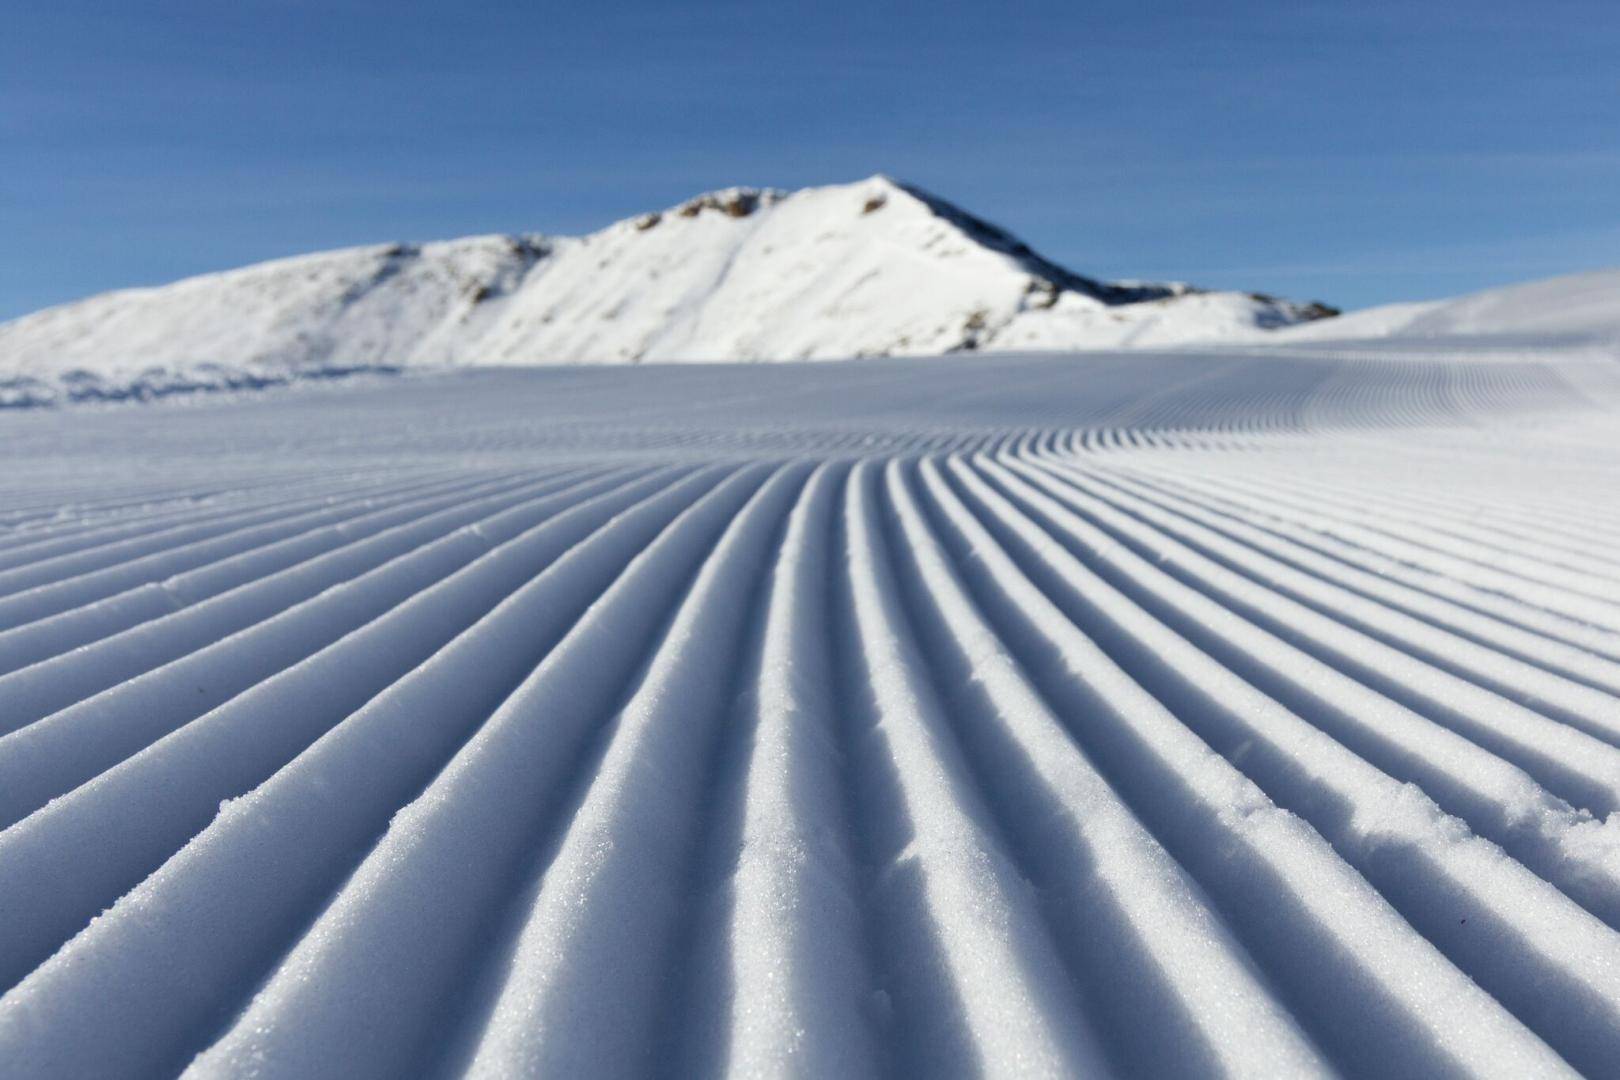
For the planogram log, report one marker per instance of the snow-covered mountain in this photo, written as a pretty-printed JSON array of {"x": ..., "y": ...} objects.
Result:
[
  {"x": 871, "y": 268},
  {"x": 1575, "y": 308}
]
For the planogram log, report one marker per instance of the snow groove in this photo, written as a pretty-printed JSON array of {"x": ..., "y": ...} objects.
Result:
[{"x": 1220, "y": 715}]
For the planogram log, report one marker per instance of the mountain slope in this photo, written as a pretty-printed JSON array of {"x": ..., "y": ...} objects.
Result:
[
  {"x": 871, "y": 268},
  {"x": 1572, "y": 308}
]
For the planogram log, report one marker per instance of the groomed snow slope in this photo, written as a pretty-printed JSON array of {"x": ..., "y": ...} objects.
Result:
[
  {"x": 864, "y": 269},
  {"x": 1149, "y": 714}
]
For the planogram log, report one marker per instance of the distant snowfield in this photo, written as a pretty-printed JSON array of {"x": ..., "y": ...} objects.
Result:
[
  {"x": 1575, "y": 308},
  {"x": 1174, "y": 714}
]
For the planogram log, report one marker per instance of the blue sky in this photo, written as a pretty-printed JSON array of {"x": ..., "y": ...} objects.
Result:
[{"x": 1357, "y": 152}]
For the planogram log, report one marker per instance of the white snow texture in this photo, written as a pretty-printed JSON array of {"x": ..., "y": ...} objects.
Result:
[
  {"x": 1151, "y": 713},
  {"x": 864, "y": 269}
]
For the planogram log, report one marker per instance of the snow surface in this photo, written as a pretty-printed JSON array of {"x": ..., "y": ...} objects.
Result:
[
  {"x": 871, "y": 268},
  {"x": 1153, "y": 713},
  {"x": 1575, "y": 308}
]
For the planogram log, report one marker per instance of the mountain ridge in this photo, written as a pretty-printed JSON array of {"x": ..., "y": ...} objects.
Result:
[{"x": 877, "y": 267}]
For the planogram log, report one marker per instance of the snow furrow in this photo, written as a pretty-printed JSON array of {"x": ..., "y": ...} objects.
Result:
[
  {"x": 1511, "y": 574},
  {"x": 1257, "y": 862},
  {"x": 238, "y": 745},
  {"x": 169, "y": 964},
  {"x": 63, "y": 525},
  {"x": 598, "y": 935},
  {"x": 1467, "y": 522},
  {"x": 124, "y": 555},
  {"x": 947, "y": 888},
  {"x": 402, "y": 940},
  {"x": 1497, "y": 799},
  {"x": 67, "y": 747},
  {"x": 1234, "y": 713},
  {"x": 785, "y": 938},
  {"x": 191, "y": 572},
  {"x": 41, "y": 689},
  {"x": 1087, "y": 834},
  {"x": 1466, "y": 644},
  {"x": 1299, "y": 530},
  {"x": 1427, "y": 866},
  {"x": 1568, "y": 761}
]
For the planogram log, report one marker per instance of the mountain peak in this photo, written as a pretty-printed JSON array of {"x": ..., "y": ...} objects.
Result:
[
  {"x": 880, "y": 190},
  {"x": 874, "y": 267}
]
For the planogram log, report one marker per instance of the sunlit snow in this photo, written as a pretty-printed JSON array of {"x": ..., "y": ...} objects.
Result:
[{"x": 1250, "y": 711}]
